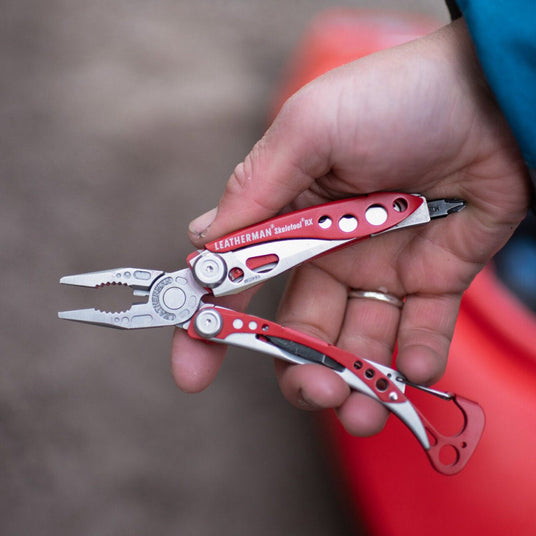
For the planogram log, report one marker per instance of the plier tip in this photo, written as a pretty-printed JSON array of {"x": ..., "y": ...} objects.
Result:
[{"x": 439, "y": 208}]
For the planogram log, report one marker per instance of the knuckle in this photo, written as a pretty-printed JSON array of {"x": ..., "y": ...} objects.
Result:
[
  {"x": 245, "y": 182},
  {"x": 238, "y": 180},
  {"x": 244, "y": 173}
]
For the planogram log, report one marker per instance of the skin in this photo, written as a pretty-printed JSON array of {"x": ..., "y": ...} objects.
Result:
[{"x": 416, "y": 118}]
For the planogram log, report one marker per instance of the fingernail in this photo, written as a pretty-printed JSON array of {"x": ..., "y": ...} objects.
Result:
[{"x": 200, "y": 225}]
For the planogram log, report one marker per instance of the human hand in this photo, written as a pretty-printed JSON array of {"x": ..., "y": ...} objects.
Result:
[{"x": 417, "y": 118}]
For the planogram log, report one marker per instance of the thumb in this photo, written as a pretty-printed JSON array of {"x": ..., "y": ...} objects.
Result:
[{"x": 280, "y": 166}]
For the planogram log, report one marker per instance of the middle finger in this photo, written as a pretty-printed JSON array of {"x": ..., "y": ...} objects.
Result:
[{"x": 314, "y": 303}]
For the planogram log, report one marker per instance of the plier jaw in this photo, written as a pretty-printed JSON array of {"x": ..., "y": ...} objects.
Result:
[
  {"x": 136, "y": 278},
  {"x": 172, "y": 298}
]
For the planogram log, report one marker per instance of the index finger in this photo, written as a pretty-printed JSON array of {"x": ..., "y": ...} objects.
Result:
[{"x": 283, "y": 164}]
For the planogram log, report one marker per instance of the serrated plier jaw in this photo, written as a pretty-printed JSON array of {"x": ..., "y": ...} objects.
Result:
[{"x": 172, "y": 298}]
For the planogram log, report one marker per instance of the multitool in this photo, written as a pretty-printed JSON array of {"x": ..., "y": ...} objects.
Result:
[{"x": 250, "y": 256}]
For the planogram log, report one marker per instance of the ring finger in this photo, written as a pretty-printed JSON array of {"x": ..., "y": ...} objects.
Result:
[{"x": 369, "y": 331}]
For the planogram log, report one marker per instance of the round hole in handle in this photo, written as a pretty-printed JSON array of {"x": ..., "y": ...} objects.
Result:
[
  {"x": 448, "y": 455},
  {"x": 376, "y": 215},
  {"x": 382, "y": 384},
  {"x": 400, "y": 205},
  {"x": 324, "y": 222},
  {"x": 236, "y": 275},
  {"x": 348, "y": 223}
]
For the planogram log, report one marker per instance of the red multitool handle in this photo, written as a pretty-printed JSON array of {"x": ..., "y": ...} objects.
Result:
[
  {"x": 340, "y": 220},
  {"x": 448, "y": 454},
  {"x": 242, "y": 323}
]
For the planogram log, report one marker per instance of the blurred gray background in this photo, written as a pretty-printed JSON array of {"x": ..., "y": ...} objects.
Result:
[{"x": 121, "y": 121}]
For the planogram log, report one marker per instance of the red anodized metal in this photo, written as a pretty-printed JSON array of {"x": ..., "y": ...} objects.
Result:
[
  {"x": 449, "y": 454},
  {"x": 458, "y": 447},
  {"x": 236, "y": 322},
  {"x": 324, "y": 222}
]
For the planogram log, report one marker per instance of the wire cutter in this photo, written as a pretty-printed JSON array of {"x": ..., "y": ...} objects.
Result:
[{"x": 250, "y": 256}]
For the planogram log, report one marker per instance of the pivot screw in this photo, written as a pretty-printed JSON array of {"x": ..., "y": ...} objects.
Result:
[
  {"x": 208, "y": 323},
  {"x": 209, "y": 270}
]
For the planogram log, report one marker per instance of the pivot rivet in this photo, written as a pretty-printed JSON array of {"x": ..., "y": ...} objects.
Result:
[{"x": 208, "y": 323}]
